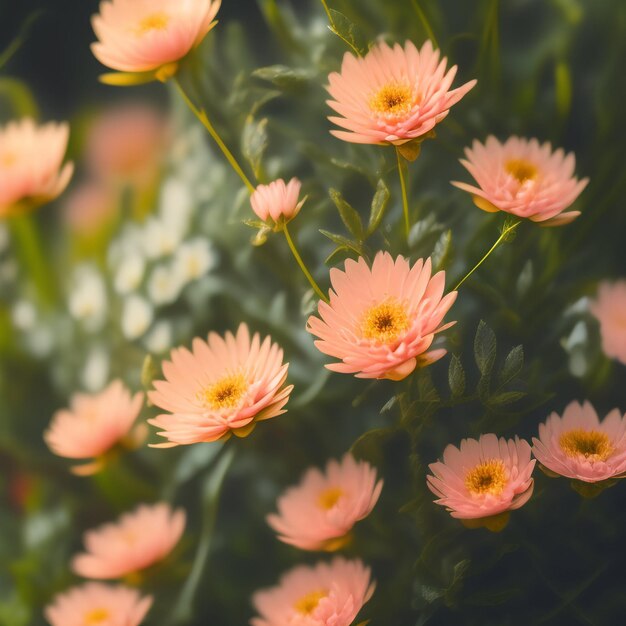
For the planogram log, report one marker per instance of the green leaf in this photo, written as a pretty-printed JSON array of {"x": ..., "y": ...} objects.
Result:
[
  {"x": 254, "y": 143},
  {"x": 369, "y": 446},
  {"x": 348, "y": 214},
  {"x": 506, "y": 397},
  {"x": 334, "y": 253},
  {"x": 456, "y": 377},
  {"x": 484, "y": 348},
  {"x": 18, "y": 97},
  {"x": 563, "y": 89},
  {"x": 379, "y": 205},
  {"x": 286, "y": 78},
  {"x": 513, "y": 365},
  {"x": 442, "y": 250},
  {"x": 18, "y": 41},
  {"x": 346, "y": 30},
  {"x": 340, "y": 240}
]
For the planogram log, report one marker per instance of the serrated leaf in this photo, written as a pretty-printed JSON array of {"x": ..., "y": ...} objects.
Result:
[
  {"x": 513, "y": 365},
  {"x": 254, "y": 142},
  {"x": 442, "y": 250},
  {"x": 506, "y": 397},
  {"x": 286, "y": 78},
  {"x": 379, "y": 205},
  {"x": 456, "y": 377},
  {"x": 340, "y": 240},
  {"x": 349, "y": 215},
  {"x": 345, "y": 30},
  {"x": 484, "y": 348}
]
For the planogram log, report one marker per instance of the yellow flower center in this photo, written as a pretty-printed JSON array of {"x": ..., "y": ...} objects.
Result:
[
  {"x": 329, "y": 497},
  {"x": 307, "y": 604},
  {"x": 156, "y": 21},
  {"x": 594, "y": 445},
  {"x": 226, "y": 393},
  {"x": 385, "y": 322},
  {"x": 487, "y": 477},
  {"x": 96, "y": 616},
  {"x": 521, "y": 170},
  {"x": 392, "y": 99}
]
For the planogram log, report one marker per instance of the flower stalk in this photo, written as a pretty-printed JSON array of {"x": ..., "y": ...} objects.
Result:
[{"x": 405, "y": 200}]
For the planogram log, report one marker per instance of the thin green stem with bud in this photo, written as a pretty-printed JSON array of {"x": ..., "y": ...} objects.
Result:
[
  {"x": 202, "y": 116},
  {"x": 303, "y": 267},
  {"x": 503, "y": 235},
  {"x": 405, "y": 200}
]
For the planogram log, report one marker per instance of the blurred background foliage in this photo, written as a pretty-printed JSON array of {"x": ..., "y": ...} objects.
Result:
[{"x": 551, "y": 69}]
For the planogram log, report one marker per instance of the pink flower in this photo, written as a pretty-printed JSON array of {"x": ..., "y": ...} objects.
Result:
[
  {"x": 31, "y": 165},
  {"x": 392, "y": 95},
  {"x": 89, "y": 207},
  {"x": 579, "y": 446},
  {"x": 483, "y": 478},
  {"x": 138, "y": 540},
  {"x": 96, "y": 604},
  {"x": 610, "y": 310},
  {"x": 126, "y": 143},
  {"x": 150, "y": 35},
  {"x": 319, "y": 512},
  {"x": 93, "y": 424},
  {"x": 277, "y": 201},
  {"x": 328, "y": 594},
  {"x": 523, "y": 178},
  {"x": 222, "y": 387},
  {"x": 381, "y": 321}
]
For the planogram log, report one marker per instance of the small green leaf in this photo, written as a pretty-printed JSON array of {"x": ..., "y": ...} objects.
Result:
[
  {"x": 149, "y": 371},
  {"x": 442, "y": 250},
  {"x": 456, "y": 377},
  {"x": 254, "y": 143},
  {"x": 379, "y": 204},
  {"x": 369, "y": 446},
  {"x": 346, "y": 30},
  {"x": 484, "y": 348},
  {"x": 410, "y": 150},
  {"x": 513, "y": 365},
  {"x": 348, "y": 214},
  {"x": 340, "y": 240},
  {"x": 334, "y": 253},
  {"x": 286, "y": 78},
  {"x": 506, "y": 397}
]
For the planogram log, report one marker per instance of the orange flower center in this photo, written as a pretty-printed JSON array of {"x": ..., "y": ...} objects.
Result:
[
  {"x": 307, "y": 604},
  {"x": 521, "y": 170},
  {"x": 385, "y": 322},
  {"x": 226, "y": 393},
  {"x": 155, "y": 21},
  {"x": 392, "y": 99},
  {"x": 96, "y": 616},
  {"x": 594, "y": 445},
  {"x": 487, "y": 477},
  {"x": 329, "y": 497}
]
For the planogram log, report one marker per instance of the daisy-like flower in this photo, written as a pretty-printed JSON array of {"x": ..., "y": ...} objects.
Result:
[
  {"x": 483, "y": 479},
  {"x": 580, "y": 446},
  {"x": 524, "y": 178},
  {"x": 610, "y": 310},
  {"x": 381, "y": 321},
  {"x": 392, "y": 95},
  {"x": 31, "y": 165},
  {"x": 319, "y": 513},
  {"x": 277, "y": 202},
  {"x": 149, "y": 37},
  {"x": 328, "y": 594},
  {"x": 93, "y": 424},
  {"x": 138, "y": 540},
  {"x": 95, "y": 603},
  {"x": 224, "y": 386}
]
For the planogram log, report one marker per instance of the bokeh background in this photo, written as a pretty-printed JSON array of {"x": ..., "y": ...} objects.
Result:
[{"x": 551, "y": 69}]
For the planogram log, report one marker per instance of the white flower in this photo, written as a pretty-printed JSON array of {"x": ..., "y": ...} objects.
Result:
[
  {"x": 176, "y": 204},
  {"x": 96, "y": 370},
  {"x": 159, "y": 238},
  {"x": 24, "y": 315},
  {"x": 159, "y": 339},
  {"x": 137, "y": 315},
  {"x": 88, "y": 298},
  {"x": 194, "y": 259},
  {"x": 129, "y": 273},
  {"x": 164, "y": 285}
]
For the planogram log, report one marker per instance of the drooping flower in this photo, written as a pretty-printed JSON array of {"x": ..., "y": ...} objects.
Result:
[
  {"x": 381, "y": 322},
  {"x": 580, "y": 446},
  {"x": 277, "y": 202},
  {"x": 610, "y": 310},
  {"x": 149, "y": 37},
  {"x": 93, "y": 604},
  {"x": 319, "y": 513},
  {"x": 136, "y": 541},
  {"x": 524, "y": 178},
  {"x": 328, "y": 594},
  {"x": 31, "y": 165},
  {"x": 392, "y": 95},
  {"x": 224, "y": 386},
  {"x": 93, "y": 424},
  {"x": 483, "y": 478}
]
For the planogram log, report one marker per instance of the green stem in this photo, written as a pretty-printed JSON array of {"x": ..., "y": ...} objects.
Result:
[
  {"x": 303, "y": 267},
  {"x": 333, "y": 28},
  {"x": 30, "y": 251},
  {"x": 499, "y": 240},
  {"x": 405, "y": 200},
  {"x": 202, "y": 116},
  {"x": 330, "y": 17}
]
